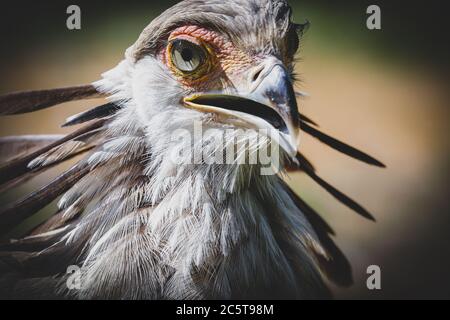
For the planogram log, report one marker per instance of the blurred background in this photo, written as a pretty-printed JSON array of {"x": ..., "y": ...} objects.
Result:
[{"x": 383, "y": 91}]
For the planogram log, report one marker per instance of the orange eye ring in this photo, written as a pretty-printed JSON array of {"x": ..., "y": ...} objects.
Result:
[{"x": 188, "y": 59}]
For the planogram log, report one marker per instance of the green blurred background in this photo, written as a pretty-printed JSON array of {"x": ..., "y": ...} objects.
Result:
[{"x": 384, "y": 91}]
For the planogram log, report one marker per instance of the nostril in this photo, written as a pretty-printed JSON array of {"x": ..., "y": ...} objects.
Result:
[{"x": 257, "y": 74}]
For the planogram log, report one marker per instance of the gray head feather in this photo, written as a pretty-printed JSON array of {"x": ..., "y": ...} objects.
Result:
[{"x": 257, "y": 25}]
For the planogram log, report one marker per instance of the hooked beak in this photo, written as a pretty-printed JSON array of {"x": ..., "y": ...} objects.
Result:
[{"x": 270, "y": 104}]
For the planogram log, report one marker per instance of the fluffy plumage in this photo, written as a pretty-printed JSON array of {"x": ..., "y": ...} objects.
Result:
[{"x": 142, "y": 227}]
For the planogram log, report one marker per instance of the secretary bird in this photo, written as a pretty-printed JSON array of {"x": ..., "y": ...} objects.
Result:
[{"x": 140, "y": 225}]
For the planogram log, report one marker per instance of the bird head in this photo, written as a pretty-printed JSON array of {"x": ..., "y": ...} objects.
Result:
[{"x": 227, "y": 64}]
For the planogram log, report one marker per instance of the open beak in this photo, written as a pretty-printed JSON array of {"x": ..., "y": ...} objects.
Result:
[{"x": 270, "y": 104}]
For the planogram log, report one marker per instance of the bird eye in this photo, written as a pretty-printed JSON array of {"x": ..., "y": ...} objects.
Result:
[{"x": 187, "y": 56}]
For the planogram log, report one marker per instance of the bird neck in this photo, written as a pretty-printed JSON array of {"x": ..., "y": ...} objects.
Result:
[
  {"x": 215, "y": 230},
  {"x": 227, "y": 218}
]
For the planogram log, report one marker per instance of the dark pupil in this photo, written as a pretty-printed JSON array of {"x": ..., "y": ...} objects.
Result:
[{"x": 187, "y": 54}]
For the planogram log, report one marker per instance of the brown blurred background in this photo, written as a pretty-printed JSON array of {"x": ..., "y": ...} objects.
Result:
[{"x": 385, "y": 92}]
